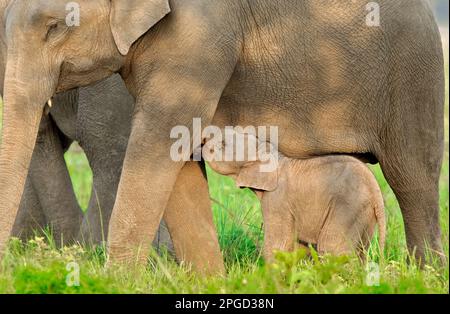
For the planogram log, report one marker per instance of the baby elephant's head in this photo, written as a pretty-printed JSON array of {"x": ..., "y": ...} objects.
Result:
[{"x": 243, "y": 157}]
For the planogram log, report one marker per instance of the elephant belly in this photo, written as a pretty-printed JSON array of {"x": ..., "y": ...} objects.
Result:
[
  {"x": 322, "y": 90},
  {"x": 306, "y": 127}
]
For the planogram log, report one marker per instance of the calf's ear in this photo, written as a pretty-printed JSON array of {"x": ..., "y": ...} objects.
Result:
[
  {"x": 130, "y": 19},
  {"x": 251, "y": 176}
]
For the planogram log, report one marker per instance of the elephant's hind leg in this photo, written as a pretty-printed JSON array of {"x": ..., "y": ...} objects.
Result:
[
  {"x": 190, "y": 222},
  {"x": 411, "y": 152},
  {"x": 412, "y": 137},
  {"x": 416, "y": 186}
]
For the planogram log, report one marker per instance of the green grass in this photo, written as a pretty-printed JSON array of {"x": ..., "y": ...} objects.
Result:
[
  {"x": 81, "y": 175},
  {"x": 38, "y": 267}
]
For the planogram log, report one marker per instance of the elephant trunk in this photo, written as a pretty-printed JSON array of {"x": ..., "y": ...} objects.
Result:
[{"x": 22, "y": 113}]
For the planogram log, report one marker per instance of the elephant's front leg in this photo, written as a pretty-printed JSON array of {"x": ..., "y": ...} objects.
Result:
[
  {"x": 51, "y": 181},
  {"x": 147, "y": 179},
  {"x": 173, "y": 84},
  {"x": 279, "y": 224},
  {"x": 94, "y": 228},
  {"x": 150, "y": 172},
  {"x": 30, "y": 220},
  {"x": 48, "y": 198},
  {"x": 190, "y": 222}
]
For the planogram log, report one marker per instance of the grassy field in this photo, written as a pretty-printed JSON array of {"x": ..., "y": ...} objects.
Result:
[{"x": 38, "y": 267}]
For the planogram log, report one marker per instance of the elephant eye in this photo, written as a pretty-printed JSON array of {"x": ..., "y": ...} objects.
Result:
[
  {"x": 53, "y": 28},
  {"x": 50, "y": 29}
]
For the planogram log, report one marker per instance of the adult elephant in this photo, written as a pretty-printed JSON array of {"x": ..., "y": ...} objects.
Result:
[
  {"x": 331, "y": 82},
  {"x": 98, "y": 117}
]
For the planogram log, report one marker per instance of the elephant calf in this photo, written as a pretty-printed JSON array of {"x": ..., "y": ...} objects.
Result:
[{"x": 333, "y": 202}]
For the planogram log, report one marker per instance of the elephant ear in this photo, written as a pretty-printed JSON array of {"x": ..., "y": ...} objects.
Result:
[
  {"x": 261, "y": 174},
  {"x": 251, "y": 176},
  {"x": 130, "y": 19}
]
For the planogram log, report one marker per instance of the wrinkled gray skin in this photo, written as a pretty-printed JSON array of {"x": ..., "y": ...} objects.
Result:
[
  {"x": 98, "y": 118},
  {"x": 331, "y": 83},
  {"x": 101, "y": 124},
  {"x": 49, "y": 199}
]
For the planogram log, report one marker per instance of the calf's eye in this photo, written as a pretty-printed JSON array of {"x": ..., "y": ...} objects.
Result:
[{"x": 53, "y": 28}]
